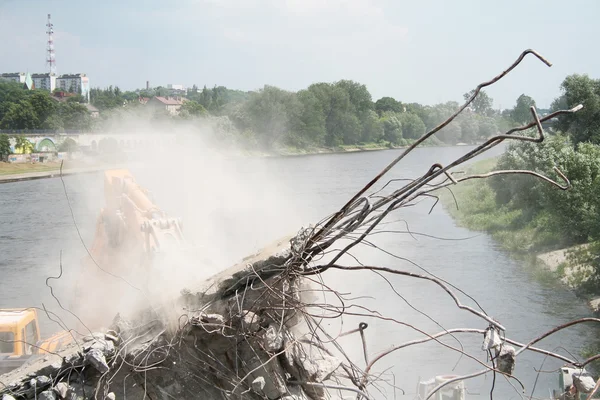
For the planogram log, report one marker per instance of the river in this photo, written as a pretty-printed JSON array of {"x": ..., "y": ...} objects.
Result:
[{"x": 232, "y": 206}]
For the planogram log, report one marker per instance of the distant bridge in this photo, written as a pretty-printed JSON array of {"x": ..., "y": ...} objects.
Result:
[{"x": 51, "y": 141}]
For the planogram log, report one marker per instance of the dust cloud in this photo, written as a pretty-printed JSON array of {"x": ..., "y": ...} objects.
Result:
[{"x": 230, "y": 206}]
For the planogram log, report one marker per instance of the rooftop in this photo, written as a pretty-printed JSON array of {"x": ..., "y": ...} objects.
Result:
[{"x": 169, "y": 101}]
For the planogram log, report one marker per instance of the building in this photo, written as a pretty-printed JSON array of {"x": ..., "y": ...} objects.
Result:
[
  {"x": 45, "y": 81},
  {"x": 175, "y": 87},
  {"x": 168, "y": 103},
  {"x": 74, "y": 83},
  {"x": 18, "y": 77}
]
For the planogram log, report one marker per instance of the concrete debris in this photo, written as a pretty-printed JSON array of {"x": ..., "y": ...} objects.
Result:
[
  {"x": 62, "y": 390},
  {"x": 96, "y": 358},
  {"x": 239, "y": 333},
  {"x": 491, "y": 339},
  {"x": 47, "y": 395},
  {"x": 250, "y": 321},
  {"x": 107, "y": 347},
  {"x": 506, "y": 359},
  {"x": 41, "y": 381},
  {"x": 273, "y": 339},
  {"x": 8, "y": 397},
  {"x": 583, "y": 381},
  {"x": 258, "y": 384}
]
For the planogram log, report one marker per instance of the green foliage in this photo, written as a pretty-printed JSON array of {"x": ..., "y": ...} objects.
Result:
[
  {"x": 521, "y": 113},
  {"x": 584, "y": 125},
  {"x": 412, "y": 126},
  {"x": 575, "y": 212},
  {"x": 193, "y": 109},
  {"x": 469, "y": 130},
  {"x": 451, "y": 133},
  {"x": 392, "y": 128},
  {"x": 388, "y": 104},
  {"x": 4, "y": 145},
  {"x": 482, "y": 104}
]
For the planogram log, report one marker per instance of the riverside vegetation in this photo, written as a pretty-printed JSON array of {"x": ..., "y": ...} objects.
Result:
[
  {"x": 529, "y": 216},
  {"x": 340, "y": 115}
]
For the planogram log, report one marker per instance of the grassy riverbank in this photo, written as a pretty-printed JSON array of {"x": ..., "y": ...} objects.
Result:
[
  {"x": 478, "y": 210},
  {"x": 529, "y": 238},
  {"x": 16, "y": 169}
]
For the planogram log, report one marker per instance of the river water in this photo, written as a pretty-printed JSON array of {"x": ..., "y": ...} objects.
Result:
[{"x": 232, "y": 206}]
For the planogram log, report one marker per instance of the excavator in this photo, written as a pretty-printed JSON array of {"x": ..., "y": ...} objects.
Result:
[{"x": 132, "y": 234}]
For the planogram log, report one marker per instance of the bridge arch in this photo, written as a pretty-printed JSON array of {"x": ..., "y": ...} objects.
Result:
[{"x": 46, "y": 144}]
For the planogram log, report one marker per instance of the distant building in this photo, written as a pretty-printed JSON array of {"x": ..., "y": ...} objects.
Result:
[
  {"x": 168, "y": 103},
  {"x": 45, "y": 81},
  {"x": 18, "y": 77},
  {"x": 175, "y": 87},
  {"x": 75, "y": 83}
]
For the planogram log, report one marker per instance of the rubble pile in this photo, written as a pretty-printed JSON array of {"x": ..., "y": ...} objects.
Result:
[{"x": 239, "y": 337}]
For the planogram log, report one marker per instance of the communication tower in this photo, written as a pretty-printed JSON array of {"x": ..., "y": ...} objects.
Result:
[{"x": 50, "y": 59}]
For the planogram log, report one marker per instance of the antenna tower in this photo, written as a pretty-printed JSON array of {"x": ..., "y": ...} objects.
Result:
[{"x": 50, "y": 60}]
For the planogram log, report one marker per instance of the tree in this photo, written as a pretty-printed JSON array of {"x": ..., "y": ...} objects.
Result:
[
  {"x": 482, "y": 104},
  {"x": 193, "y": 109},
  {"x": 373, "y": 129},
  {"x": 75, "y": 116},
  {"x": 270, "y": 111},
  {"x": 584, "y": 125},
  {"x": 4, "y": 145},
  {"x": 308, "y": 127},
  {"x": 20, "y": 116},
  {"x": 43, "y": 105},
  {"x": 521, "y": 113},
  {"x": 412, "y": 126},
  {"x": 487, "y": 127},
  {"x": 392, "y": 128},
  {"x": 451, "y": 133},
  {"x": 387, "y": 104},
  {"x": 469, "y": 130}
]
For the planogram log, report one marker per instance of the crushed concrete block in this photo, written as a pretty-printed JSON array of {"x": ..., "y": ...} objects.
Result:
[
  {"x": 47, "y": 395},
  {"x": 61, "y": 389},
  {"x": 258, "y": 384},
  {"x": 107, "y": 347},
  {"x": 40, "y": 381},
  {"x": 8, "y": 397},
  {"x": 250, "y": 321},
  {"x": 506, "y": 359},
  {"x": 273, "y": 339},
  {"x": 110, "y": 396},
  {"x": 583, "y": 381},
  {"x": 96, "y": 358}
]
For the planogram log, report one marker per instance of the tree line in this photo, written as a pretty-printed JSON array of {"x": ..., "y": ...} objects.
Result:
[
  {"x": 557, "y": 218},
  {"x": 322, "y": 115}
]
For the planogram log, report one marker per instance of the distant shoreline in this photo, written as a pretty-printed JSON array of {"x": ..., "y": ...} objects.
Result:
[{"x": 23, "y": 175}]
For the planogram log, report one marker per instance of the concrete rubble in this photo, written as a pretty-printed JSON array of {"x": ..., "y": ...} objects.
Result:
[{"x": 239, "y": 336}]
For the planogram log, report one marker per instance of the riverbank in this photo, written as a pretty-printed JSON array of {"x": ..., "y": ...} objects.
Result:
[{"x": 532, "y": 242}]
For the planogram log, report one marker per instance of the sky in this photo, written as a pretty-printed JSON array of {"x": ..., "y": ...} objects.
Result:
[{"x": 415, "y": 51}]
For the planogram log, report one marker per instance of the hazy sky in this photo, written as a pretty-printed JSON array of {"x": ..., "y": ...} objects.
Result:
[{"x": 416, "y": 51}]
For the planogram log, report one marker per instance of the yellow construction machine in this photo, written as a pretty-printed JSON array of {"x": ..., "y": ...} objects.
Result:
[
  {"x": 131, "y": 234},
  {"x": 20, "y": 338}
]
